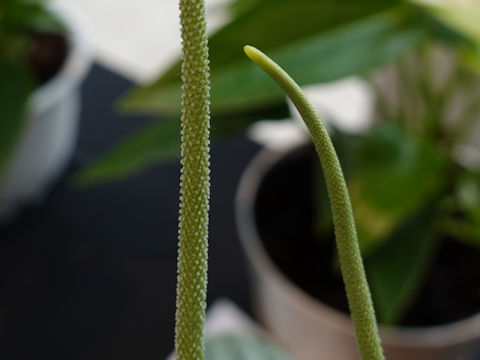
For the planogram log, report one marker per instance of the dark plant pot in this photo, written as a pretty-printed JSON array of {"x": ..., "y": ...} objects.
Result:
[
  {"x": 310, "y": 329},
  {"x": 48, "y": 140}
]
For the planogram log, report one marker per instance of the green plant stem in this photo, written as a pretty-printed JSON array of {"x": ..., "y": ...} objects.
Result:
[
  {"x": 195, "y": 184},
  {"x": 353, "y": 272}
]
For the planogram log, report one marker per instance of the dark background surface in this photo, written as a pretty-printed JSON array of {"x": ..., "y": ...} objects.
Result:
[{"x": 90, "y": 273}]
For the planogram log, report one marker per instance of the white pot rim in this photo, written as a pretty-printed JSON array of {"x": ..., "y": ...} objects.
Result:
[
  {"x": 439, "y": 336},
  {"x": 77, "y": 63}
]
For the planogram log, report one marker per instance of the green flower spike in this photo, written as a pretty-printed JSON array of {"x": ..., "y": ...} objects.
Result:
[
  {"x": 195, "y": 184},
  {"x": 353, "y": 273}
]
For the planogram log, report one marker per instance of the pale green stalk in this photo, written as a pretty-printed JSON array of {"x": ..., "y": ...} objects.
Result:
[
  {"x": 353, "y": 273},
  {"x": 195, "y": 185}
]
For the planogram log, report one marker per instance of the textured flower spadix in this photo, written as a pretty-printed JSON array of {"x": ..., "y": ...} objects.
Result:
[
  {"x": 195, "y": 184},
  {"x": 353, "y": 273}
]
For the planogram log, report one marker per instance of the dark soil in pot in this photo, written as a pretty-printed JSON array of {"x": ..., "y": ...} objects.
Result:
[
  {"x": 47, "y": 55},
  {"x": 284, "y": 216}
]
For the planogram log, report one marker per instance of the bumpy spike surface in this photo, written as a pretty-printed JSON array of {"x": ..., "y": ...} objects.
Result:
[
  {"x": 353, "y": 273},
  {"x": 195, "y": 184}
]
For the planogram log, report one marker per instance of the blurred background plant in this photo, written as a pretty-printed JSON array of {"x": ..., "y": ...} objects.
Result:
[
  {"x": 409, "y": 179},
  {"x": 23, "y": 25}
]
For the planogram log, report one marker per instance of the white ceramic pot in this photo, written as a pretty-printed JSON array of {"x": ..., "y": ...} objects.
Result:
[
  {"x": 48, "y": 140},
  {"x": 312, "y": 330}
]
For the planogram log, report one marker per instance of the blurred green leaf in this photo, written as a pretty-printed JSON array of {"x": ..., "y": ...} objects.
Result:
[
  {"x": 18, "y": 20},
  {"x": 241, "y": 347},
  {"x": 23, "y": 16},
  {"x": 468, "y": 193},
  {"x": 15, "y": 87},
  {"x": 393, "y": 175},
  {"x": 160, "y": 142},
  {"x": 321, "y": 43},
  {"x": 460, "y": 15},
  {"x": 270, "y": 24},
  {"x": 465, "y": 230},
  {"x": 464, "y": 223},
  {"x": 308, "y": 49},
  {"x": 38, "y": 18},
  {"x": 238, "y": 7},
  {"x": 398, "y": 267},
  {"x": 156, "y": 142},
  {"x": 455, "y": 22},
  {"x": 471, "y": 57}
]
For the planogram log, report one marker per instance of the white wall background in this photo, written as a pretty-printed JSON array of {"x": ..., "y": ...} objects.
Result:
[{"x": 138, "y": 38}]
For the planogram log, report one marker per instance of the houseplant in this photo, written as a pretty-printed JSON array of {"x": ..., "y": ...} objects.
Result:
[
  {"x": 451, "y": 34},
  {"x": 365, "y": 36},
  {"x": 287, "y": 303},
  {"x": 44, "y": 55},
  {"x": 286, "y": 300},
  {"x": 380, "y": 33},
  {"x": 194, "y": 199},
  {"x": 240, "y": 93}
]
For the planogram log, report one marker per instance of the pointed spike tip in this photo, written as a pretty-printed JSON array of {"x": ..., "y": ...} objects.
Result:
[{"x": 250, "y": 51}]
